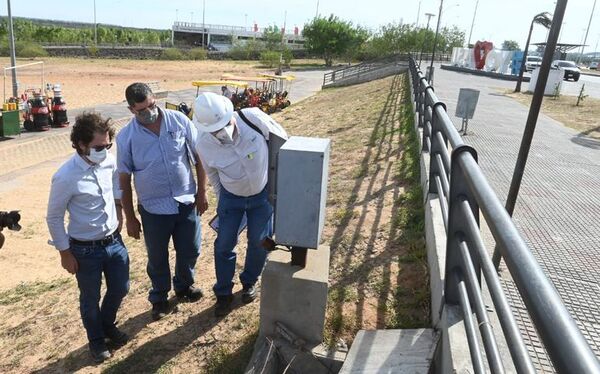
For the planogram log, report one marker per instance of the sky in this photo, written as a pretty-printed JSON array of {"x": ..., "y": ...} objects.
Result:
[{"x": 496, "y": 20}]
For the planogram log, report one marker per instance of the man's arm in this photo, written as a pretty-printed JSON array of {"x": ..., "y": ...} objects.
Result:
[
  {"x": 117, "y": 196},
  {"x": 132, "y": 223},
  {"x": 201, "y": 199},
  {"x": 60, "y": 196}
]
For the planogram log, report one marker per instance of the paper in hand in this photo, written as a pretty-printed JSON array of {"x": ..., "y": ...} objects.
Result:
[{"x": 214, "y": 224}]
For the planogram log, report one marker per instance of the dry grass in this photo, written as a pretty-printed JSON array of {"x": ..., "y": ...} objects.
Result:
[
  {"x": 378, "y": 271},
  {"x": 584, "y": 118}
]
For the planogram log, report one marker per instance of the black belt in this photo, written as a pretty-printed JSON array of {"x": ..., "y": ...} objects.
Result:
[{"x": 103, "y": 242}]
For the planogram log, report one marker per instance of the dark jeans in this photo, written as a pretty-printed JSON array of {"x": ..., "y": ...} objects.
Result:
[
  {"x": 184, "y": 227},
  {"x": 113, "y": 261},
  {"x": 231, "y": 209}
]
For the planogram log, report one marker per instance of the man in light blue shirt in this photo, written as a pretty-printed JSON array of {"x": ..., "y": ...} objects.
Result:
[
  {"x": 87, "y": 187},
  {"x": 157, "y": 148}
]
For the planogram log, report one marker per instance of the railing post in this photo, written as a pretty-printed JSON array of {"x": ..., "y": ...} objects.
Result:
[
  {"x": 457, "y": 224},
  {"x": 426, "y": 128},
  {"x": 436, "y": 146}
]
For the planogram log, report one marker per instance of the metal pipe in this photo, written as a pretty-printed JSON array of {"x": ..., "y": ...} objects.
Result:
[
  {"x": 474, "y": 350},
  {"x": 443, "y": 175},
  {"x": 514, "y": 340},
  {"x": 485, "y": 327},
  {"x": 568, "y": 349},
  {"x": 444, "y": 155},
  {"x": 448, "y": 128},
  {"x": 443, "y": 201}
]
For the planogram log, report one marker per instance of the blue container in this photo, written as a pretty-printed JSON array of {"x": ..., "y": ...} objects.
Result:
[{"x": 516, "y": 62}]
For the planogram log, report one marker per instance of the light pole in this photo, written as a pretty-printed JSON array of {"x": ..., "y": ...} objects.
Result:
[
  {"x": 544, "y": 20},
  {"x": 418, "y": 13},
  {"x": 95, "y": 26},
  {"x": 472, "y": 23},
  {"x": 317, "y": 12},
  {"x": 437, "y": 30},
  {"x": 428, "y": 15},
  {"x": 534, "y": 111},
  {"x": 13, "y": 58},
  {"x": 203, "y": 24},
  {"x": 587, "y": 31}
]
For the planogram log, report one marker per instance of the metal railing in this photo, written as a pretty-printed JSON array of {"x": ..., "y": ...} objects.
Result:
[
  {"x": 464, "y": 192},
  {"x": 355, "y": 71}
]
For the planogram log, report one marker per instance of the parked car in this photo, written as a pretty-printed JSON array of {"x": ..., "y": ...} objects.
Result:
[
  {"x": 594, "y": 65},
  {"x": 570, "y": 68},
  {"x": 532, "y": 62}
]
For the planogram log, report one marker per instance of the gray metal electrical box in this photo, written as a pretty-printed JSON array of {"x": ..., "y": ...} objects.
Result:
[
  {"x": 302, "y": 172},
  {"x": 467, "y": 102}
]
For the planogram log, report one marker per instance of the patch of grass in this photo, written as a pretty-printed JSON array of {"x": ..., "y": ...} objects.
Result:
[
  {"x": 30, "y": 290},
  {"x": 224, "y": 360}
]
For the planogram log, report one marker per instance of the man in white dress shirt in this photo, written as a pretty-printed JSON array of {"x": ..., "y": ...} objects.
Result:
[
  {"x": 233, "y": 150},
  {"x": 87, "y": 187}
]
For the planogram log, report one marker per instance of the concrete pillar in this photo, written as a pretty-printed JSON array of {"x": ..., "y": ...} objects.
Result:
[{"x": 294, "y": 296}]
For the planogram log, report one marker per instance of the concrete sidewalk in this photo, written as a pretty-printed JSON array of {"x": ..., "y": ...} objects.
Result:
[{"x": 558, "y": 210}]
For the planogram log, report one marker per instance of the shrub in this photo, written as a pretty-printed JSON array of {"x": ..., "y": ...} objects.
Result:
[
  {"x": 197, "y": 54},
  {"x": 270, "y": 58},
  {"x": 172, "y": 54}
]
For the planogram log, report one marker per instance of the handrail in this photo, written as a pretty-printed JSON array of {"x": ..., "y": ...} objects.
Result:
[
  {"x": 360, "y": 69},
  {"x": 463, "y": 191}
]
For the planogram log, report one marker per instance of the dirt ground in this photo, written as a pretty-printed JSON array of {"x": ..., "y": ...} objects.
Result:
[
  {"x": 378, "y": 271},
  {"x": 88, "y": 82},
  {"x": 584, "y": 118}
]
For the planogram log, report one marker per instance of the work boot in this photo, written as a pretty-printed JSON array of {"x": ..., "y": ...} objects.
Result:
[
  {"x": 248, "y": 293},
  {"x": 116, "y": 336},
  {"x": 99, "y": 352},
  {"x": 223, "y": 305},
  {"x": 160, "y": 310},
  {"x": 190, "y": 294}
]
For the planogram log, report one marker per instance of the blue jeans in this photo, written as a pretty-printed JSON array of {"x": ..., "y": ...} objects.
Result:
[
  {"x": 184, "y": 227},
  {"x": 113, "y": 261},
  {"x": 231, "y": 209}
]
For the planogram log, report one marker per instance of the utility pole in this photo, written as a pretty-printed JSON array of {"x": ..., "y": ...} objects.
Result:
[
  {"x": 13, "y": 58},
  {"x": 95, "y": 26},
  {"x": 472, "y": 23},
  {"x": 428, "y": 15},
  {"x": 587, "y": 31}
]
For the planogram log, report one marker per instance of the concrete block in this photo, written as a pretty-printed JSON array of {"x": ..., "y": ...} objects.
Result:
[
  {"x": 435, "y": 238},
  {"x": 392, "y": 351},
  {"x": 296, "y": 297}
]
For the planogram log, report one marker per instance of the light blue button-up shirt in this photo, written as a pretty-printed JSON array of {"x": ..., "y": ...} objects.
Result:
[
  {"x": 159, "y": 163},
  {"x": 88, "y": 193}
]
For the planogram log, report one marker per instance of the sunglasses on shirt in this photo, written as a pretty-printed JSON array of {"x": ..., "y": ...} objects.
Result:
[{"x": 100, "y": 148}]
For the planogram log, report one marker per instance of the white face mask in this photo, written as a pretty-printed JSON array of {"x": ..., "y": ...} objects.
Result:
[
  {"x": 225, "y": 135},
  {"x": 97, "y": 156}
]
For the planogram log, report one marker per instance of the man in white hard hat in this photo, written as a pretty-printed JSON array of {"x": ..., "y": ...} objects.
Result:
[{"x": 233, "y": 150}]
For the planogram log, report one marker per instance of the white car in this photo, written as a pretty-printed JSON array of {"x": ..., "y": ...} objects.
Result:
[
  {"x": 594, "y": 65},
  {"x": 569, "y": 67},
  {"x": 532, "y": 62}
]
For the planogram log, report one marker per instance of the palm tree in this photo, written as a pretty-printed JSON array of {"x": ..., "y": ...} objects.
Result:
[{"x": 544, "y": 19}]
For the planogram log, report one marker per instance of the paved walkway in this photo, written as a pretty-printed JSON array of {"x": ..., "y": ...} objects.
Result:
[
  {"x": 558, "y": 210},
  {"x": 30, "y": 149}
]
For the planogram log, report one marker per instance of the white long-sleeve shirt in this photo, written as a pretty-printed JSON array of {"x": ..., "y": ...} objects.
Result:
[
  {"x": 88, "y": 193},
  {"x": 242, "y": 167}
]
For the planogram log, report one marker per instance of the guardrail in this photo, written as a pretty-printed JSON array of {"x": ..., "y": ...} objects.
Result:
[
  {"x": 464, "y": 192},
  {"x": 355, "y": 71}
]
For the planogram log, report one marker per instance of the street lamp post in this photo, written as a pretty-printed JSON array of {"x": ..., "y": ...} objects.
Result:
[
  {"x": 544, "y": 20},
  {"x": 203, "y": 24},
  {"x": 95, "y": 26},
  {"x": 472, "y": 24},
  {"x": 534, "y": 111},
  {"x": 13, "y": 58},
  {"x": 428, "y": 15},
  {"x": 418, "y": 13},
  {"x": 587, "y": 31},
  {"x": 437, "y": 31}
]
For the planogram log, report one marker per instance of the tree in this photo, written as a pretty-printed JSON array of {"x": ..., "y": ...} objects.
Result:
[
  {"x": 510, "y": 45},
  {"x": 272, "y": 38},
  {"x": 331, "y": 37}
]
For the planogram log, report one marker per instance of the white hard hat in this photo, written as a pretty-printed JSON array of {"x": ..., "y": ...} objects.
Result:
[{"x": 212, "y": 112}]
